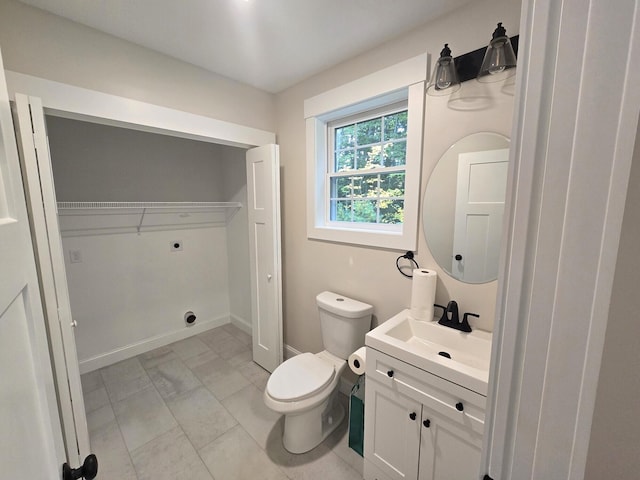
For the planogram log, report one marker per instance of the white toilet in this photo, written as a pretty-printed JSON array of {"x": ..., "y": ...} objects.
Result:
[{"x": 304, "y": 387}]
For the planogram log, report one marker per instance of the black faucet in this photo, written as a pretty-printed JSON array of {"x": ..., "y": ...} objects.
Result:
[{"x": 451, "y": 318}]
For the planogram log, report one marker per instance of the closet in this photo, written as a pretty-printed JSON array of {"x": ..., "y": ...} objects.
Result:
[
  {"x": 138, "y": 214},
  {"x": 152, "y": 226}
]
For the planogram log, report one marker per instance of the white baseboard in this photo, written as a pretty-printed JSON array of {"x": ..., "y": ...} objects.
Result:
[
  {"x": 289, "y": 352},
  {"x": 241, "y": 323},
  {"x": 119, "y": 354}
]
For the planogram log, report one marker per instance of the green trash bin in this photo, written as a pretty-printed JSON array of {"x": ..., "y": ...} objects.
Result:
[{"x": 356, "y": 416}]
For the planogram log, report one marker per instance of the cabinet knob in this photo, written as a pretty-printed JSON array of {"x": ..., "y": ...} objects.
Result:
[
  {"x": 412, "y": 415},
  {"x": 390, "y": 373},
  {"x": 459, "y": 406},
  {"x": 427, "y": 423}
]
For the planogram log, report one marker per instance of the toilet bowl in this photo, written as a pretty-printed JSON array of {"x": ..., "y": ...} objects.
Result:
[
  {"x": 304, "y": 391},
  {"x": 304, "y": 388}
]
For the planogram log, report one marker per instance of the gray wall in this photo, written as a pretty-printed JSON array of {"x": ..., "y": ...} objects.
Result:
[
  {"x": 93, "y": 162},
  {"x": 235, "y": 190},
  {"x": 369, "y": 274},
  {"x": 615, "y": 432}
]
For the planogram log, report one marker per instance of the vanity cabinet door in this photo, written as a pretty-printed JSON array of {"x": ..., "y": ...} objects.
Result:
[
  {"x": 392, "y": 433},
  {"x": 448, "y": 450}
]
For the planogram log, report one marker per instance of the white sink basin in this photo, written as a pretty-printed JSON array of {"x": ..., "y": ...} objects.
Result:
[{"x": 420, "y": 344}]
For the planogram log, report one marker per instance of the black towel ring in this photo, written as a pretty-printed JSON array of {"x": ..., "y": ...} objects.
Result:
[{"x": 408, "y": 256}]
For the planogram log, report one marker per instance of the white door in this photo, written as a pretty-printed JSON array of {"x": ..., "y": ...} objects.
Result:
[
  {"x": 41, "y": 200},
  {"x": 31, "y": 443},
  {"x": 480, "y": 194},
  {"x": 263, "y": 187}
]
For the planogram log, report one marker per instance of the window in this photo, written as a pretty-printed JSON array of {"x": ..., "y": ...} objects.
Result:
[
  {"x": 366, "y": 176},
  {"x": 364, "y": 146}
]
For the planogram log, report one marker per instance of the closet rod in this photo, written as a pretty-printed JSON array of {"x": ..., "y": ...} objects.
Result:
[{"x": 111, "y": 205}]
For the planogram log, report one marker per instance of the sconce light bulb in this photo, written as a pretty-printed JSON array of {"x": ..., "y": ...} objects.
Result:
[
  {"x": 443, "y": 82},
  {"x": 499, "y": 57},
  {"x": 444, "y": 77}
]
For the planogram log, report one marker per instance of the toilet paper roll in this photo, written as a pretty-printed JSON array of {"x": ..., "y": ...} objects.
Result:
[
  {"x": 423, "y": 294},
  {"x": 357, "y": 361}
]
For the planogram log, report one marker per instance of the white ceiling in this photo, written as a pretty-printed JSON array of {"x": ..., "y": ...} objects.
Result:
[{"x": 270, "y": 44}]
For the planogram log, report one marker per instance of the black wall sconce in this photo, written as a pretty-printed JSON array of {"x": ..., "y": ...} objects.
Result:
[
  {"x": 444, "y": 80},
  {"x": 492, "y": 63}
]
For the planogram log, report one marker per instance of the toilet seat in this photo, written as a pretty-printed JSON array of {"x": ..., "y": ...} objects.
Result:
[{"x": 300, "y": 377}]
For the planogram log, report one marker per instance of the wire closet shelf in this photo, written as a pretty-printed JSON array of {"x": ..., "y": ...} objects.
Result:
[{"x": 100, "y": 218}]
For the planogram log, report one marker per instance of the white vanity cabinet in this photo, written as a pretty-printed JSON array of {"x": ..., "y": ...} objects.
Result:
[{"x": 418, "y": 425}]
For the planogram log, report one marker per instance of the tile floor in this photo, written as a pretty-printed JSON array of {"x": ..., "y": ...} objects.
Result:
[{"x": 194, "y": 410}]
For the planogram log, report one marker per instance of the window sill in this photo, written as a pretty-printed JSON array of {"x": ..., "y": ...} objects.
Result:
[{"x": 393, "y": 240}]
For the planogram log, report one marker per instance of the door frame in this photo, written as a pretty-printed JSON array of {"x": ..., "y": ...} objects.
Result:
[
  {"x": 68, "y": 101},
  {"x": 572, "y": 144}
]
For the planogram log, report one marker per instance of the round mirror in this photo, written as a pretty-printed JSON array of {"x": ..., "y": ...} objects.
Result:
[{"x": 464, "y": 205}]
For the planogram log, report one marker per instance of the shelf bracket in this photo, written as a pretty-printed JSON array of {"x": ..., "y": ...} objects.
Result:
[{"x": 144, "y": 210}]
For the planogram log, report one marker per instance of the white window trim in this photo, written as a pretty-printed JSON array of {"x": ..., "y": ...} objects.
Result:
[{"x": 402, "y": 82}]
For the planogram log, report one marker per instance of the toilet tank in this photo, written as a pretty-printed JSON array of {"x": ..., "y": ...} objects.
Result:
[{"x": 344, "y": 323}]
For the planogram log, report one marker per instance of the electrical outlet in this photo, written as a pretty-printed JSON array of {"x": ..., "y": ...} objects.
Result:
[
  {"x": 175, "y": 246},
  {"x": 75, "y": 256}
]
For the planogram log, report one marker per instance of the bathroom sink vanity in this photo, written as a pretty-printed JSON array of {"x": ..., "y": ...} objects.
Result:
[{"x": 424, "y": 411}]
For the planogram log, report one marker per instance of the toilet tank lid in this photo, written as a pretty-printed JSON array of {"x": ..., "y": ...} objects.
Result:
[{"x": 343, "y": 306}]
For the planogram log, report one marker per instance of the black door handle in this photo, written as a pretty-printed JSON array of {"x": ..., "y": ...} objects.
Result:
[
  {"x": 412, "y": 415},
  {"x": 459, "y": 406},
  {"x": 427, "y": 423},
  {"x": 390, "y": 373},
  {"x": 88, "y": 470}
]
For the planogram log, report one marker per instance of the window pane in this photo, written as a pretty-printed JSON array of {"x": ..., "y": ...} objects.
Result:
[
  {"x": 395, "y": 126},
  {"x": 391, "y": 211},
  {"x": 392, "y": 184},
  {"x": 341, "y": 210},
  {"x": 368, "y": 157},
  {"x": 341, "y": 187},
  {"x": 344, "y": 160},
  {"x": 395, "y": 154},
  {"x": 364, "y": 211},
  {"x": 365, "y": 185},
  {"x": 369, "y": 131},
  {"x": 364, "y": 196},
  {"x": 345, "y": 137}
]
